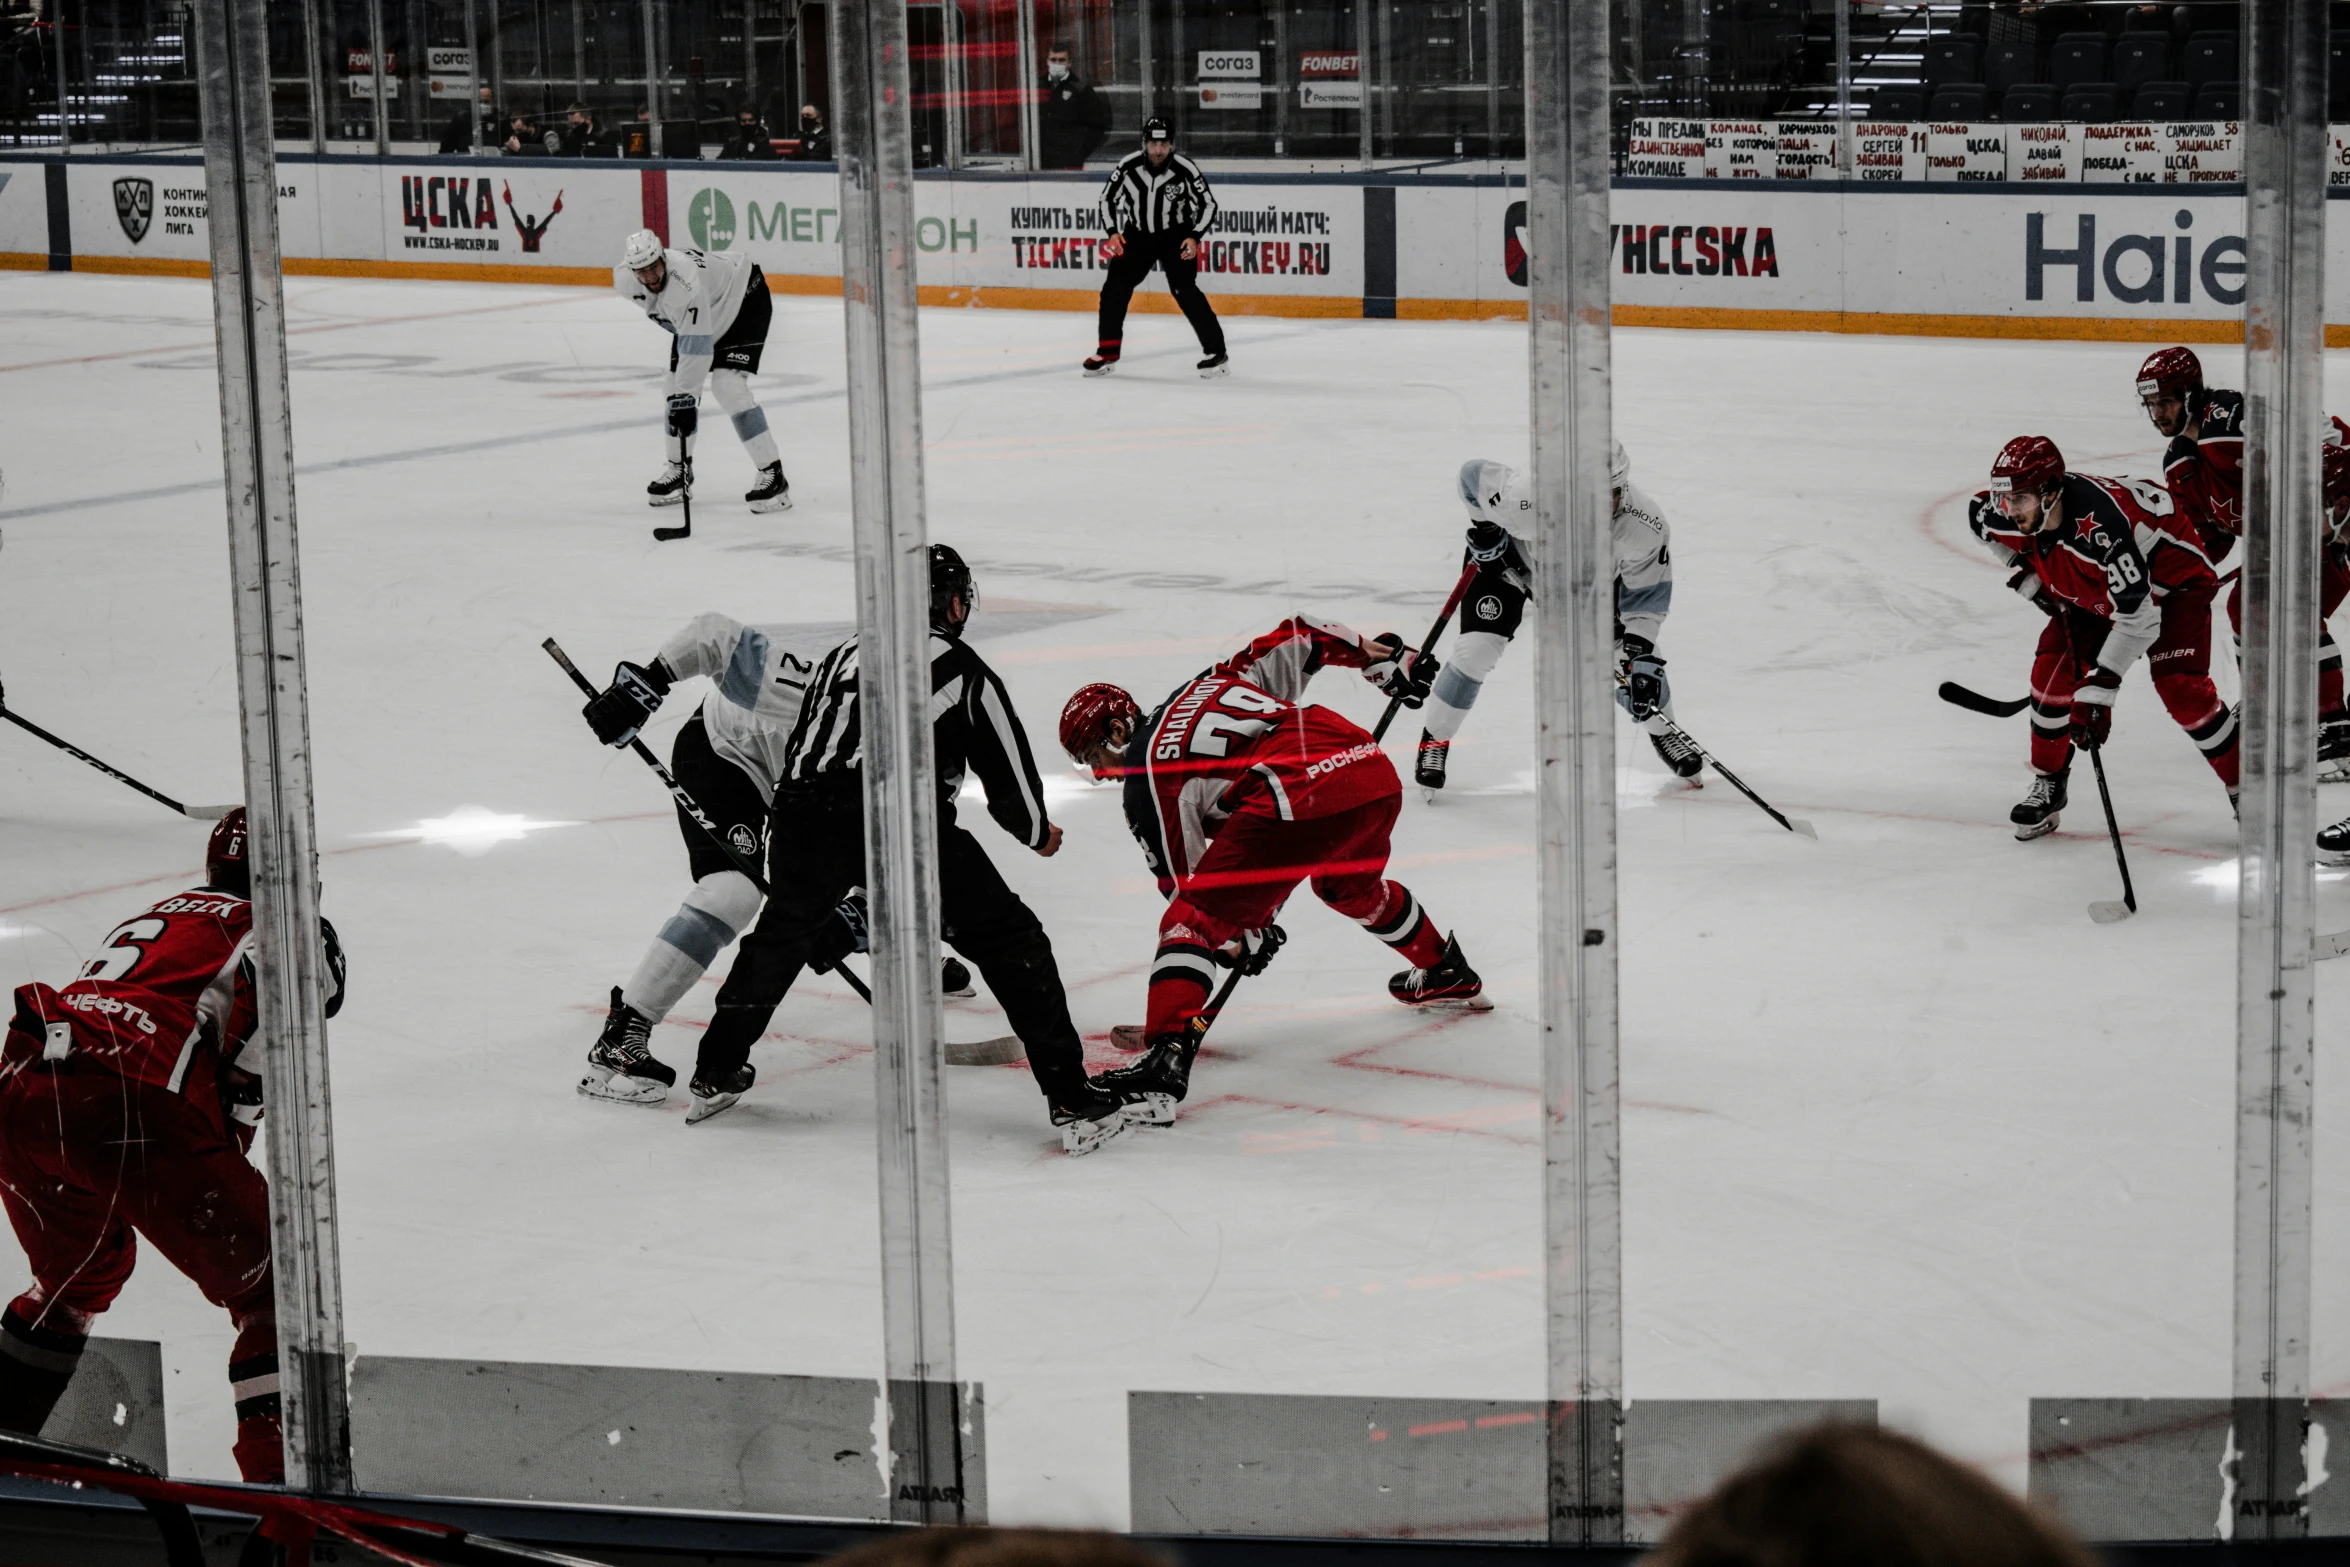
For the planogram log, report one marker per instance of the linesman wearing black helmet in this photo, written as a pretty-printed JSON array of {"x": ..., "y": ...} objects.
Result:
[
  {"x": 816, "y": 859},
  {"x": 1156, "y": 212}
]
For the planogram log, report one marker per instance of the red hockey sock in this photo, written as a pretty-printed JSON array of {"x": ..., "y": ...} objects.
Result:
[
  {"x": 253, "y": 1383},
  {"x": 1399, "y": 922},
  {"x": 1182, "y": 975}
]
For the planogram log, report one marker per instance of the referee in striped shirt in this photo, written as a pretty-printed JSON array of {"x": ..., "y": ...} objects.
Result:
[
  {"x": 816, "y": 856},
  {"x": 1156, "y": 212}
]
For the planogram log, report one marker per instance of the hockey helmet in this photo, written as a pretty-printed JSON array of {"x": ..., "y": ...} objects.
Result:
[
  {"x": 2027, "y": 465},
  {"x": 1087, "y": 716},
  {"x": 1156, "y": 129},
  {"x": 950, "y": 580},
  {"x": 2170, "y": 372},
  {"x": 2334, "y": 463},
  {"x": 1619, "y": 466},
  {"x": 224, "y": 855},
  {"x": 642, "y": 249},
  {"x": 1484, "y": 486}
]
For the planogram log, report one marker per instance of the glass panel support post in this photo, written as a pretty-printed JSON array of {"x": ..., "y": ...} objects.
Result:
[
  {"x": 1363, "y": 128},
  {"x": 2284, "y": 339},
  {"x": 874, "y": 143},
  {"x": 257, "y": 446},
  {"x": 1575, "y": 802},
  {"x": 652, "y": 72},
  {"x": 472, "y": 83},
  {"x": 1028, "y": 128},
  {"x": 377, "y": 76},
  {"x": 1843, "y": 89},
  {"x": 317, "y": 76},
  {"x": 64, "y": 115}
]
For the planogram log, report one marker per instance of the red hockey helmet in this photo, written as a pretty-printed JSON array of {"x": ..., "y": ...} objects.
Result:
[
  {"x": 1088, "y": 715},
  {"x": 224, "y": 854},
  {"x": 2334, "y": 463},
  {"x": 2170, "y": 372},
  {"x": 2027, "y": 465}
]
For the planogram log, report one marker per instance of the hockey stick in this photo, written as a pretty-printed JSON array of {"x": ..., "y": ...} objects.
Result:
[
  {"x": 1794, "y": 824},
  {"x": 1460, "y": 590},
  {"x": 1129, "y": 1036},
  {"x": 1975, "y": 702},
  {"x": 685, "y": 494},
  {"x": 205, "y": 813},
  {"x": 2103, "y": 912},
  {"x": 2333, "y": 946}
]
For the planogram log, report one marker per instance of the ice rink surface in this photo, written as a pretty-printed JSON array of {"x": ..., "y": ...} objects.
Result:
[{"x": 1899, "y": 1121}]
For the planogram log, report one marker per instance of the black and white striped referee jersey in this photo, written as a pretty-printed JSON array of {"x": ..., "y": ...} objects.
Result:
[
  {"x": 1171, "y": 199},
  {"x": 972, "y": 725}
]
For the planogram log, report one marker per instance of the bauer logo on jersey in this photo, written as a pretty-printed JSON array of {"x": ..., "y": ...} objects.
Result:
[
  {"x": 134, "y": 207},
  {"x": 745, "y": 841}
]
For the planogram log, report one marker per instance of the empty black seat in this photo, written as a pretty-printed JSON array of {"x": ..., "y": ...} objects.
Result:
[
  {"x": 1905, "y": 104},
  {"x": 2219, "y": 101},
  {"x": 2006, "y": 64},
  {"x": 2139, "y": 58},
  {"x": 2028, "y": 103},
  {"x": 2089, "y": 103},
  {"x": 2162, "y": 101},
  {"x": 1953, "y": 58},
  {"x": 2209, "y": 57},
  {"x": 2077, "y": 58},
  {"x": 1961, "y": 102},
  {"x": 2337, "y": 76}
]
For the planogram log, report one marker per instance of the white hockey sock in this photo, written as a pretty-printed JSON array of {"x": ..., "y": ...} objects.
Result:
[
  {"x": 732, "y": 389},
  {"x": 713, "y": 914},
  {"x": 1459, "y": 681}
]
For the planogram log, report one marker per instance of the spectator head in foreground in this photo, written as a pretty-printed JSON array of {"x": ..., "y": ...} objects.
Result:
[
  {"x": 1002, "y": 1548},
  {"x": 1858, "y": 1496}
]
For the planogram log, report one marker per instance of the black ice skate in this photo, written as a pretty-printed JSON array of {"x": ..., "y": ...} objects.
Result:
[
  {"x": 1451, "y": 982},
  {"x": 2333, "y": 844},
  {"x": 710, "y": 1096},
  {"x": 954, "y": 979},
  {"x": 2333, "y": 749},
  {"x": 1215, "y": 365},
  {"x": 1102, "y": 363},
  {"x": 621, "y": 1067},
  {"x": 1428, "y": 771},
  {"x": 1153, "y": 1086},
  {"x": 670, "y": 488},
  {"x": 1678, "y": 752},
  {"x": 2036, "y": 815},
  {"x": 1088, "y": 1118},
  {"x": 773, "y": 492}
]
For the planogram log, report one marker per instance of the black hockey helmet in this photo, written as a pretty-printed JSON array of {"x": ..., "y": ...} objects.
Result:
[
  {"x": 950, "y": 579},
  {"x": 1156, "y": 129}
]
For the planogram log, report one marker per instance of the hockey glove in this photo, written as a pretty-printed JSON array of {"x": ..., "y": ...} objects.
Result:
[
  {"x": 1488, "y": 542},
  {"x": 684, "y": 413},
  {"x": 1251, "y": 950},
  {"x": 846, "y": 931},
  {"x": 620, "y": 710},
  {"x": 2093, "y": 707},
  {"x": 1644, "y": 691},
  {"x": 2027, "y": 584},
  {"x": 1398, "y": 671},
  {"x": 334, "y": 963},
  {"x": 240, "y": 1101}
]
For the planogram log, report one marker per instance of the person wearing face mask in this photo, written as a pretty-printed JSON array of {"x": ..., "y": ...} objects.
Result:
[
  {"x": 1073, "y": 118},
  {"x": 815, "y": 138}
]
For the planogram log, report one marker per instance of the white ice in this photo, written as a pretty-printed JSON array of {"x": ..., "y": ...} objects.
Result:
[{"x": 1899, "y": 1121}]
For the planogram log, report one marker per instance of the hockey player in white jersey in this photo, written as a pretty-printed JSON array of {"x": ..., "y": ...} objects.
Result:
[
  {"x": 1500, "y": 500},
  {"x": 716, "y": 309},
  {"x": 727, "y": 757}
]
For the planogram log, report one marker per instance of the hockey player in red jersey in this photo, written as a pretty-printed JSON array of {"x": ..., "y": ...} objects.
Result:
[
  {"x": 127, "y": 1103},
  {"x": 2204, "y": 469},
  {"x": 1237, "y": 793},
  {"x": 2119, "y": 575}
]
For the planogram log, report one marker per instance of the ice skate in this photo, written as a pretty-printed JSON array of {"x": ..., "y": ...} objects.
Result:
[
  {"x": 621, "y": 1067},
  {"x": 1153, "y": 1086},
  {"x": 1101, "y": 364},
  {"x": 671, "y": 487},
  {"x": 2333, "y": 749},
  {"x": 1428, "y": 770},
  {"x": 1678, "y": 752},
  {"x": 711, "y": 1097},
  {"x": 773, "y": 492},
  {"x": 1215, "y": 365},
  {"x": 954, "y": 980},
  {"x": 2333, "y": 844},
  {"x": 2037, "y": 814},
  {"x": 1088, "y": 1118},
  {"x": 1450, "y": 983}
]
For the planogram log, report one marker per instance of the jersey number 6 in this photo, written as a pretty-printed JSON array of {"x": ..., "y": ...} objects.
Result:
[{"x": 122, "y": 951}]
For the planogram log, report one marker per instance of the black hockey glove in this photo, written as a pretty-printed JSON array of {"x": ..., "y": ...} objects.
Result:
[
  {"x": 620, "y": 710},
  {"x": 1645, "y": 689},
  {"x": 1398, "y": 671},
  {"x": 1252, "y": 950},
  {"x": 1488, "y": 542},
  {"x": 845, "y": 931},
  {"x": 684, "y": 413},
  {"x": 2092, "y": 714},
  {"x": 334, "y": 964}
]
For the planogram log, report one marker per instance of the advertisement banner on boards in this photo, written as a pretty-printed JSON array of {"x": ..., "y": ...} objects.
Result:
[
  {"x": 1888, "y": 150},
  {"x": 1741, "y": 149},
  {"x": 1966, "y": 152},
  {"x": 1666, "y": 150}
]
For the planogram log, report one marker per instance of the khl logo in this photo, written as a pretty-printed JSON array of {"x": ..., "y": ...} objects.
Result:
[
  {"x": 710, "y": 218},
  {"x": 134, "y": 206}
]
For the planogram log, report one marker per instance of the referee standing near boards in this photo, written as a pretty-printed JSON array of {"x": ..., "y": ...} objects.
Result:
[
  {"x": 816, "y": 857},
  {"x": 1156, "y": 212}
]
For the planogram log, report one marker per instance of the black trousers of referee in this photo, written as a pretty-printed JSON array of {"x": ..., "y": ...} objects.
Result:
[
  {"x": 1143, "y": 252},
  {"x": 815, "y": 854}
]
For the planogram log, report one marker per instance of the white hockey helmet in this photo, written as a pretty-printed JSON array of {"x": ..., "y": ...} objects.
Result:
[
  {"x": 1491, "y": 490},
  {"x": 1619, "y": 466},
  {"x": 642, "y": 250}
]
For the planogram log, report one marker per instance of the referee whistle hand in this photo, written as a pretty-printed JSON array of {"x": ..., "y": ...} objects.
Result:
[
  {"x": 1052, "y": 842},
  {"x": 1189, "y": 250},
  {"x": 1114, "y": 246}
]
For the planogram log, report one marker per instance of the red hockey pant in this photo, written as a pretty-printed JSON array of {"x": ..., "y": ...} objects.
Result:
[
  {"x": 1256, "y": 861},
  {"x": 88, "y": 1162},
  {"x": 2333, "y": 587},
  {"x": 2180, "y": 662}
]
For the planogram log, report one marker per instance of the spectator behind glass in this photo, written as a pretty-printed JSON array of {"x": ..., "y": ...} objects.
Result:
[
  {"x": 520, "y": 139},
  {"x": 815, "y": 140},
  {"x": 1857, "y": 1496},
  {"x": 457, "y": 135},
  {"x": 1000, "y": 1548},
  {"x": 748, "y": 138},
  {"x": 1073, "y": 118},
  {"x": 578, "y": 131}
]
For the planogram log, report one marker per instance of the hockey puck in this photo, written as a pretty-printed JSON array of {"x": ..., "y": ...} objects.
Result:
[
  {"x": 1128, "y": 1036},
  {"x": 1001, "y": 1051}
]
